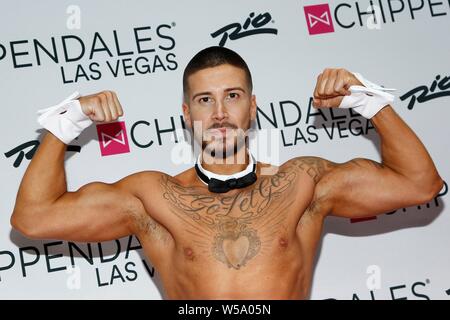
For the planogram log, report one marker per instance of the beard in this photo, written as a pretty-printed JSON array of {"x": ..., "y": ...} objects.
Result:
[
  {"x": 223, "y": 147},
  {"x": 217, "y": 145},
  {"x": 228, "y": 146}
]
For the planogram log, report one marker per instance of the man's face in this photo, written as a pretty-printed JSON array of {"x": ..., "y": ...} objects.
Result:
[{"x": 219, "y": 107}]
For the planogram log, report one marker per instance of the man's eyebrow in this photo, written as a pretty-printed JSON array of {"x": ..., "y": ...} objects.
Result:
[
  {"x": 209, "y": 92},
  {"x": 234, "y": 88},
  {"x": 201, "y": 94}
]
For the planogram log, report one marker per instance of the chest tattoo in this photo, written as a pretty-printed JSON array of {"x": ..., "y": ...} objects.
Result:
[{"x": 235, "y": 228}]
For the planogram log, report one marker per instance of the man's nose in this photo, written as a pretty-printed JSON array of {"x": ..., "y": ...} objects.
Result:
[{"x": 220, "y": 111}]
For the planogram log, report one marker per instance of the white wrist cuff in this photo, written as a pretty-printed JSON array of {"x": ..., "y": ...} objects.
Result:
[
  {"x": 367, "y": 100},
  {"x": 65, "y": 120}
]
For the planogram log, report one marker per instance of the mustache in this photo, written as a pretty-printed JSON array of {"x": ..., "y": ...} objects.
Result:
[{"x": 223, "y": 125}]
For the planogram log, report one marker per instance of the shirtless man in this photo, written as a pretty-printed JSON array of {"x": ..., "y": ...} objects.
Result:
[{"x": 255, "y": 241}]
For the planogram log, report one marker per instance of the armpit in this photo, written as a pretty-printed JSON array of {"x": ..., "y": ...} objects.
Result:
[{"x": 146, "y": 226}]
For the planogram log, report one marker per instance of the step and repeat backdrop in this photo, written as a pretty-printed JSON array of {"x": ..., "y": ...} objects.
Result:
[{"x": 49, "y": 49}]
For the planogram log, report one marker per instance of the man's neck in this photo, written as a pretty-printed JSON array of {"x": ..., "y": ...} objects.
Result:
[{"x": 235, "y": 162}]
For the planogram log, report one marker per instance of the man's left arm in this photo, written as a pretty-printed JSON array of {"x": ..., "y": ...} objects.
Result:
[{"x": 362, "y": 187}]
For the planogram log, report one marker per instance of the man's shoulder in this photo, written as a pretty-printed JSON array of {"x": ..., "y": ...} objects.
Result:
[
  {"x": 145, "y": 183},
  {"x": 186, "y": 178},
  {"x": 144, "y": 178},
  {"x": 313, "y": 166}
]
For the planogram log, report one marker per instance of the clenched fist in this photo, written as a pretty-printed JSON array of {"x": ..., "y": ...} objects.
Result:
[
  {"x": 102, "y": 106},
  {"x": 331, "y": 87}
]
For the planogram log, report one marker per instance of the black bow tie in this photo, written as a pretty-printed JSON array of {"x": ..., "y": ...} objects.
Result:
[{"x": 220, "y": 186}]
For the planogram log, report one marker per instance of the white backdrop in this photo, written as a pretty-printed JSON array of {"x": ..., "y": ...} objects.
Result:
[{"x": 140, "y": 48}]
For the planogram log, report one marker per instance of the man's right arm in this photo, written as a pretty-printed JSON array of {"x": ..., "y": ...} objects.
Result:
[{"x": 44, "y": 209}]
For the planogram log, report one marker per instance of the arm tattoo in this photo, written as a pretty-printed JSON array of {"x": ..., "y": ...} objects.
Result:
[
  {"x": 315, "y": 167},
  {"x": 362, "y": 163},
  {"x": 233, "y": 228}
]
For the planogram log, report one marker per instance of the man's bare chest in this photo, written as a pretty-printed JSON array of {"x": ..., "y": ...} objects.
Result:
[{"x": 236, "y": 227}]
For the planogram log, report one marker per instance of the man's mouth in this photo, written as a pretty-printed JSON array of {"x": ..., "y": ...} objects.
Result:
[{"x": 221, "y": 130}]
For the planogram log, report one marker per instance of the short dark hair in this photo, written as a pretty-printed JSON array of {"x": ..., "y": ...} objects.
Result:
[{"x": 213, "y": 57}]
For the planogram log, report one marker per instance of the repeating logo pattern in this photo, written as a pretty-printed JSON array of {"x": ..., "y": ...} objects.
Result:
[{"x": 113, "y": 138}]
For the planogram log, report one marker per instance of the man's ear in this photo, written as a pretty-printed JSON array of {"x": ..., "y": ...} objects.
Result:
[
  {"x": 253, "y": 108},
  {"x": 187, "y": 115}
]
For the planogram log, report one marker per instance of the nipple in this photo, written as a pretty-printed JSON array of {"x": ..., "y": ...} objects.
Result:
[
  {"x": 189, "y": 254},
  {"x": 283, "y": 242}
]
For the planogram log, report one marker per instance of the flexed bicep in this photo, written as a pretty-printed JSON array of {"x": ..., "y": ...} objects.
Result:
[
  {"x": 362, "y": 187},
  {"x": 96, "y": 212}
]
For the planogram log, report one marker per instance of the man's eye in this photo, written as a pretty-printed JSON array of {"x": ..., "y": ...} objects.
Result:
[
  {"x": 233, "y": 95},
  {"x": 204, "y": 99}
]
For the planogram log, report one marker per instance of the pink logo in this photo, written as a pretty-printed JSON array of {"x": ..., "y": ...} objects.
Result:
[
  {"x": 113, "y": 138},
  {"x": 318, "y": 18}
]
